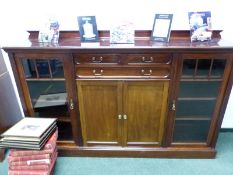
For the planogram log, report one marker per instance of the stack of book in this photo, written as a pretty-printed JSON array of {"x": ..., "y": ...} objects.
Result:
[
  {"x": 29, "y": 133},
  {"x": 34, "y": 162},
  {"x": 32, "y": 144}
]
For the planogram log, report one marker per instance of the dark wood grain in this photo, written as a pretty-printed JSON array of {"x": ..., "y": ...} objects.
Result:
[
  {"x": 99, "y": 110},
  {"x": 141, "y": 81},
  {"x": 145, "y": 152},
  {"x": 2, "y": 154},
  {"x": 145, "y": 105}
]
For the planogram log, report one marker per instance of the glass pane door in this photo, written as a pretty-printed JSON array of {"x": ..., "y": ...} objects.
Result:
[
  {"x": 47, "y": 89},
  {"x": 200, "y": 84}
]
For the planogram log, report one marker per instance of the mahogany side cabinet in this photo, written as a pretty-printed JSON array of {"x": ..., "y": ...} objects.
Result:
[{"x": 145, "y": 99}]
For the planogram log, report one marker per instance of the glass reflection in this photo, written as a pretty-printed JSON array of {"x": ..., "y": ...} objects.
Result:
[{"x": 43, "y": 68}]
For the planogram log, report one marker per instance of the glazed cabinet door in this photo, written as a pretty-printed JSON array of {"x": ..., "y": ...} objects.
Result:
[
  {"x": 46, "y": 90},
  {"x": 202, "y": 83},
  {"x": 100, "y": 109},
  {"x": 145, "y": 109}
]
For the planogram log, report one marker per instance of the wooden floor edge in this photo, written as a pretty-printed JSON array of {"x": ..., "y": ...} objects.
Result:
[{"x": 205, "y": 153}]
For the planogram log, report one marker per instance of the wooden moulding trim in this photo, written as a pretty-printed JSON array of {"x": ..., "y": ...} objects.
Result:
[
  {"x": 137, "y": 152},
  {"x": 226, "y": 130},
  {"x": 175, "y": 34}
]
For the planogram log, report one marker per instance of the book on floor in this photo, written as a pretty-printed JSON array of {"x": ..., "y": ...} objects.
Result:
[
  {"x": 47, "y": 149},
  {"x": 29, "y": 133},
  {"x": 34, "y": 171}
]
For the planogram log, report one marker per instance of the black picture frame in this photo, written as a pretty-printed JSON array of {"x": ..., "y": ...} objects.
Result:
[
  {"x": 161, "y": 27},
  {"x": 88, "y": 29}
]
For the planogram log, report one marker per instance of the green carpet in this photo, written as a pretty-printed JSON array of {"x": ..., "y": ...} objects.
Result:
[{"x": 222, "y": 165}]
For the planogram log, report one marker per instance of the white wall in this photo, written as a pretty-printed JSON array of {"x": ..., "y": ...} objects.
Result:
[
  {"x": 19, "y": 16},
  {"x": 29, "y": 14}
]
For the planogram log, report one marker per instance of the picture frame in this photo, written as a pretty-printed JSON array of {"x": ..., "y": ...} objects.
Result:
[
  {"x": 161, "y": 27},
  {"x": 200, "y": 25},
  {"x": 88, "y": 29},
  {"x": 49, "y": 33},
  {"x": 122, "y": 33}
]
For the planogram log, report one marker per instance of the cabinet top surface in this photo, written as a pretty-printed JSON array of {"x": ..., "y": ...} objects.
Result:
[{"x": 70, "y": 40}]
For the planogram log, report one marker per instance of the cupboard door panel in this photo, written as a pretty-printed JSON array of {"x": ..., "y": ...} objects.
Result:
[
  {"x": 47, "y": 87},
  {"x": 199, "y": 88},
  {"x": 199, "y": 93},
  {"x": 99, "y": 109},
  {"x": 195, "y": 108},
  {"x": 145, "y": 105},
  {"x": 191, "y": 130}
]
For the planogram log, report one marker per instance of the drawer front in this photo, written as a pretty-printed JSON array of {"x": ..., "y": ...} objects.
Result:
[
  {"x": 129, "y": 72},
  {"x": 96, "y": 59},
  {"x": 148, "y": 59}
]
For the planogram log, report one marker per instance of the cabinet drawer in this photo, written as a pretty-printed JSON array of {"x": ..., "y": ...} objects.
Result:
[
  {"x": 96, "y": 58},
  {"x": 116, "y": 72},
  {"x": 148, "y": 59}
]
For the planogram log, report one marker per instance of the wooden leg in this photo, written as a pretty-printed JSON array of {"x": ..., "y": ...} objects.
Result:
[{"x": 2, "y": 154}]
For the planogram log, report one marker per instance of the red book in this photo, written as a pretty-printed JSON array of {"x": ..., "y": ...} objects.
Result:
[
  {"x": 30, "y": 167},
  {"x": 48, "y": 148},
  {"x": 51, "y": 143},
  {"x": 33, "y": 162},
  {"x": 34, "y": 166},
  {"x": 32, "y": 152},
  {"x": 34, "y": 172},
  {"x": 25, "y": 158}
]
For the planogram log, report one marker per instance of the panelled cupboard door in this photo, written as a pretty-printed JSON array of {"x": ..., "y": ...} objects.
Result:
[
  {"x": 100, "y": 105},
  {"x": 145, "y": 108},
  {"x": 123, "y": 113}
]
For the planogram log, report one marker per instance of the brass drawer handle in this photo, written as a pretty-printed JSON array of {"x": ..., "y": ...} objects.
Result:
[
  {"x": 144, "y": 73},
  {"x": 98, "y": 74},
  {"x": 96, "y": 60},
  {"x": 147, "y": 60}
]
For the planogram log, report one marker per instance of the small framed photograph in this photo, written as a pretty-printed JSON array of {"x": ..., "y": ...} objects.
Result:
[
  {"x": 200, "y": 26},
  {"x": 49, "y": 33},
  {"x": 88, "y": 29},
  {"x": 122, "y": 33},
  {"x": 161, "y": 27}
]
